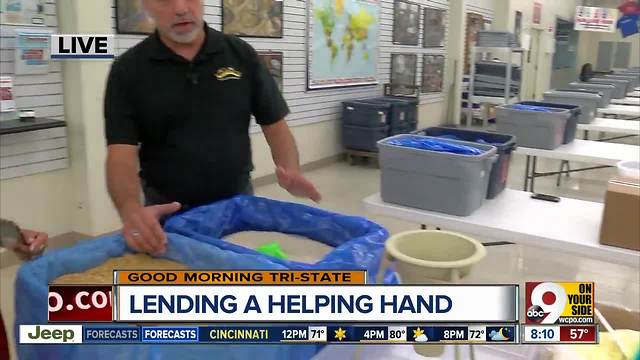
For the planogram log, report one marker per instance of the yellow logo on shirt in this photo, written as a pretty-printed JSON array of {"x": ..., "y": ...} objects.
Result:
[{"x": 228, "y": 73}]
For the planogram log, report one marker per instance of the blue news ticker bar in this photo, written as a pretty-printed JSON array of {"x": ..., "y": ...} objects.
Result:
[{"x": 265, "y": 334}]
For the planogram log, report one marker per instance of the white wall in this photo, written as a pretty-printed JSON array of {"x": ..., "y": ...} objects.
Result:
[
  {"x": 551, "y": 10},
  {"x": 588, "y": 46}
]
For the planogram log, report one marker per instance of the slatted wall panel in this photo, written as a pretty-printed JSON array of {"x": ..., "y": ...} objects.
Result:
[
  {"x": 42, "y": 93},
  {"x": 318, "y": 105},
  {"x": 36, "y": 151}
]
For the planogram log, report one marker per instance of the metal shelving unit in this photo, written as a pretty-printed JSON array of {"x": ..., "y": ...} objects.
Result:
[{"x": 493, "y": 100}]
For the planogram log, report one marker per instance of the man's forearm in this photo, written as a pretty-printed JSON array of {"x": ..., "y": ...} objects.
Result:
[
  {"x": 123, "y": 184},
  {"x": 283, "y": 146}
]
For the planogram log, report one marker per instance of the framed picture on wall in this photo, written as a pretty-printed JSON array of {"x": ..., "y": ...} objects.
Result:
[
  {"x": 406, "y": 23},
  {"x": 434, "y": 28},
  {"x": 432, "y": 73},
  {"x": 253, "y": 18},
  {"x": 132, "y": 19},
  {"x": 274, "y": 63},
  {"x": 342, "y": 43},
  {"x": 403, "y": 73}
]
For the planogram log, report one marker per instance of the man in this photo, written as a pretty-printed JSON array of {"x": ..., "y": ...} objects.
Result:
[{"x": 178, "y": 107}]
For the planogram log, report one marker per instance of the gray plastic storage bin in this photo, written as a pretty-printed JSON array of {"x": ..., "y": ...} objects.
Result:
[
  {"x": 504, "y": 143},
  {"x": 361, "y": 113},
  {"x": 437, "y": 181},
  {"x": 621, "y": 86},
  {"x": 533, "y": 129},
  {"x": 605, "y": 89},
  {"x": 633, "y": 79},
  {"x": 588, "y": 100},
  {"x": 363, "y": 138},
  {"x": 572, "y": 123},
  {"x": 404, "y": 112}
]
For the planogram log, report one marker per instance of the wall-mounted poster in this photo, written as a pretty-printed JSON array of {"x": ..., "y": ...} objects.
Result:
[
  {"x": 475, "y": 23},
  {"x": 406, "y": 23},
  {"x": 22, "y": 12},
  {"x": 403, "y": 73},
  {"x": 7, "y": 103},
  {"x": 432, "y": 73},
  {"x": 434, "y": 28},
  {"x": 33, "y": 52},
  {"x": 273, "y": 62},
  {"x": 132, "y": 19},
  {"x": 343, "y": 43},
  {"x": 252, "y": 18}
]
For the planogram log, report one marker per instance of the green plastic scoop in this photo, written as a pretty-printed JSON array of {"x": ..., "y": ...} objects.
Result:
[{"x": 272, "y": 249}]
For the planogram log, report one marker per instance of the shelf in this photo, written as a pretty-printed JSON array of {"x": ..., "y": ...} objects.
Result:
[{"x": 17, "y": 126}]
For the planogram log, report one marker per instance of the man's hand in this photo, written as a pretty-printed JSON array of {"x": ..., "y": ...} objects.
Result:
[
  {"x": 33, "y": 244},
  {"x": 142, "y": 228},
  {"x": 297, "y": 185}
]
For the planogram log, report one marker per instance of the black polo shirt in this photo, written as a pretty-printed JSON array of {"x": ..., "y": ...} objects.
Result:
[{"x": 191, "y": 119}]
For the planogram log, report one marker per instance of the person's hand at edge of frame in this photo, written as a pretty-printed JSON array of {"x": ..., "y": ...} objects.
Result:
[
  {"x": 141, "y": 227},
  {"x": 297, "y": 185},
  {"x": 32, "y": 245}
]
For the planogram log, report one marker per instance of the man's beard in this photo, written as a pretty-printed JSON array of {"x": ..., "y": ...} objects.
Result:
[{"x": 185, "y": 38}]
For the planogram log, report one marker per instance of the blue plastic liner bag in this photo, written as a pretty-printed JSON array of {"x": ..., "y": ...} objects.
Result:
[
  {"x": 531, "y": 108},
  {"x": 358, "y": 242},
  {"x": 433, "y": 144},
  {"x": 359, "y": 245}
]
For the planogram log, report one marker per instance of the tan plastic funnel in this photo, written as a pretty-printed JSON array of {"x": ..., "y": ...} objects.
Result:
[{"x": 429, "y": 256}]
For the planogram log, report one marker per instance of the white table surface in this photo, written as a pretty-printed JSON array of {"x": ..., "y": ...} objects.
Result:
[
  {"x": 626, "y": 101},
  {"x": 623, "y": 110},
  {"x": 588, "y": 151},
  {"x": 627, "y": 127},
  {"x": 634, "y": 94},
  {"x": 570, "y": 225}
]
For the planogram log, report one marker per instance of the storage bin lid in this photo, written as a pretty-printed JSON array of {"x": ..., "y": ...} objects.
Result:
[
  {"x": 363, "y": 103},
  {"x": 573, "y": 94},
  {"x": 504, "y": 142},
  {"x": 592, "y": 85},
  {"x": 396, "y": 141},
  {"x": 575, "y": 109}
]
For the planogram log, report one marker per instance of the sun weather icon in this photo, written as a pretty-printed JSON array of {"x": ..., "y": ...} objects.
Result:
[
  {"x": 501, "y": 334},
  {"x": 419, "y": 335},
  {"x": 340, "y": 334}
]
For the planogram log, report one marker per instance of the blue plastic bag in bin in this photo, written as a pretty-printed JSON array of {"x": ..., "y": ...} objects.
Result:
[
  {"x": 531, "y": 108},
  {"x": 423, "y": 143},
  {"x": 358, "y": 242}
]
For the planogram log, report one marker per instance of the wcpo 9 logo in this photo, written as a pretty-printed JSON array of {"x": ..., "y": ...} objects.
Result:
[{"x": 559, "y": 302}]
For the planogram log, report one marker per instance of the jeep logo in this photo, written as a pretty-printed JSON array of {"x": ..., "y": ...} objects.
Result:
[{"x": 50, "y": 334}]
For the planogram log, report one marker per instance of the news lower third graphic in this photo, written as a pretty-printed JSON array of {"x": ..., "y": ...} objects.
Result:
[
  {"x": 559, "y": 302},
  {"x": 268, "y": 334}
]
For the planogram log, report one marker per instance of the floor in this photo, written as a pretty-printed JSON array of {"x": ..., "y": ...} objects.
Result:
[{"x": 344, "y": 186}]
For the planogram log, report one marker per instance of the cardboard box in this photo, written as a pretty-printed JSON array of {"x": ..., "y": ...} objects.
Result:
[
  {"x": 620, "y": 221},
  {"x": 619, "y": 317}
]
